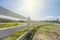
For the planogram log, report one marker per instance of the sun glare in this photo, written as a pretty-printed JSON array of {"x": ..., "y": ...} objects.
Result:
[{"x": 30, "y": 7}]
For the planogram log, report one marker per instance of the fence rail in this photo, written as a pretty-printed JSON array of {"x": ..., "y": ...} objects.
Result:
[
  {"x": 4, "y": 32},
  {"x": 25, "y": 34},
  {"x": 7, "y": 31}
]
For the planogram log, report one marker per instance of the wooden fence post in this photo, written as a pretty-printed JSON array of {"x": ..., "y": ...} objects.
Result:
[
  {"x": 34, "y": 24},
  {"x": 29, "y": 23}
]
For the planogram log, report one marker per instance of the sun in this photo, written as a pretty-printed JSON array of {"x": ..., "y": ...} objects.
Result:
[{"x": 30, "y": 7}]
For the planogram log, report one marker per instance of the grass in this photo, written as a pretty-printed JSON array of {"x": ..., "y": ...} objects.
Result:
[
  {"x": 41, "y": 28},
  {"x": 31, "y": 34},
  {"x": 46, "y": 28},
  {"x": 14, "y": 36},
  {"x": 7, "y": 25}
]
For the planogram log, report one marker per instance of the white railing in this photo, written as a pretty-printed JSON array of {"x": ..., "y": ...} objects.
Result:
[
  {"x": 7, "y": 31},
  {"x": 4, "y": 32},
  {"x": 25, "y": 34}
]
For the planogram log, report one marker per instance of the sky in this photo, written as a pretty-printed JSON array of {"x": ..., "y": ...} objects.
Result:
[{"x": 35, "y": 9}]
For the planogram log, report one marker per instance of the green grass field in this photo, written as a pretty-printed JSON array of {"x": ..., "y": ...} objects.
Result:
[
  {"x": 15, "y": 35},
  {"x": 7, "y": 25}
]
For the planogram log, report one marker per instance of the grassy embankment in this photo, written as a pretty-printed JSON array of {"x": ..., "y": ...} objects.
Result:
[
  {"x": 15, "y": 35},
  {"x": 7, "y": 25},
  {"x": 42, "y": 28}
]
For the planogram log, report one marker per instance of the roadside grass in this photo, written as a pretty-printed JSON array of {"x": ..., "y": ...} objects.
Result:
[
  {"x": 7, "y": 25},
  {"x": 31, "y": 34},
  {"x": 47, "y": 28},
  {"x": 51, "y": 30},
  {"x": 14, "y": 36},
  {"x": 17, "y": 34},
  {"x": 33, "y": 31}
]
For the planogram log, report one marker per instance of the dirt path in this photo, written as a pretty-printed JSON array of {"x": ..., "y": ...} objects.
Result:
[
  {"x": 53, "y": 34},
  {"x": 41, "y": 36}
]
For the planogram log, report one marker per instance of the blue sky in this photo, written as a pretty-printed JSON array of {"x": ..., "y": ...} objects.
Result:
[{"x": 36, "y": 9}]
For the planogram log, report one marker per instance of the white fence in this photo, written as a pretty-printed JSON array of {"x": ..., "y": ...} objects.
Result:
[
  {"x": 7, "y": 31},
  {"x": 4, "y": 32}
]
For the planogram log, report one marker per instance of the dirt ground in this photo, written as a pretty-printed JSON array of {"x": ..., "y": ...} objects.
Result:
[{"x": 53, "y": 34}]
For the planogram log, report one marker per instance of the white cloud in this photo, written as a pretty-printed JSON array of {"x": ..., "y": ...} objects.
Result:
[
  {"x": 58, "y": 16},
  {"x": 49, "y": 18}
]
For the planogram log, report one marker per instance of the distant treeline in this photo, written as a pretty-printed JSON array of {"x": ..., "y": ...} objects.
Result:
[
  {"x": 7, "y": 20},
  {"x": 57, "y": 20},
  {"x": 52, "y": 21}
]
